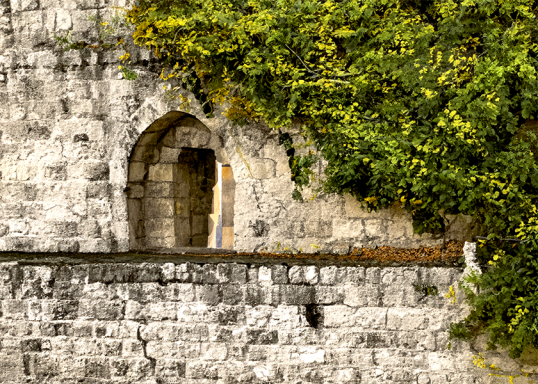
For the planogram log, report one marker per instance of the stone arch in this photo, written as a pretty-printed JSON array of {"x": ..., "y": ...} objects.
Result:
[{"x": 180, "y": 188}]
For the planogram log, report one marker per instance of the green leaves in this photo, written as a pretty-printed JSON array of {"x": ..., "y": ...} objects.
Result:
[{"x": 411, "y": 103}]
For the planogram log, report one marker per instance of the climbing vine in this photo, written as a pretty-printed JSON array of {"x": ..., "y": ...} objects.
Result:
[{"x": 430, "y": 105}]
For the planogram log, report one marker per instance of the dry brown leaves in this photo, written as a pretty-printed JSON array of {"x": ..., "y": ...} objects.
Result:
[{"x": 447, "y": 254}]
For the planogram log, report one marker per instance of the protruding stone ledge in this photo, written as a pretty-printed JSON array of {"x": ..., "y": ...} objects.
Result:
[{"x": 215, "y": 256}]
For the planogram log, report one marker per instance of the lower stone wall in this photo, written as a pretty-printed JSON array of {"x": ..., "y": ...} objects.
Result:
[{"x": 185, "y": 322}]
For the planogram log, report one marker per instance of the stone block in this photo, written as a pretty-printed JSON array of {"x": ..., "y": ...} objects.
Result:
[
  {"x": 170, "y": 370},
  {"x": 159, "y": 189},
  {"x": 310, "y": 355},
  {"x": 230, "y": 315},
  {"x": 158, "y": 208},
  {"x": 373, "y": 275},
  {"x": 14, "y": 309},
  {"x": 261, "y": 337},
  {"x": 181, "y": 189},
  {"x": 59, "y": 310},
  {"x": 350, "y": 357},
  {"x": 209, "y": 294},
  {"x": 353, "y": 275},
  {"x": 347, "y": 228},
  {"x": 329, "y": 295},
  {"x": 264, "y": 275},
  {"x": 169, "y": 155},
  {"x": 223, "y": 273},
  {"x": 135, "y": 191},
  {"x": 252, "y": 273},
  {"x": 418, "y": 319},
  {"x": 214, "y": 351},
  {"x": 135, "y": 310},
  {"x": 297, "y": 275},
  {"x": 191, "y": 137},
  {"x": 200, "y": 225},
  {"x": 137, "y": 171},
  {"x": 189, "y": 272},
  {"x": 209, "y": 274},
  {"x": 328, "y": 275},
  {"x": 311, "y": 274},
  {"x": 182, "y": 231},
  {"x": 172, "y": 350},
  {"x": 160, "y": 242},
  {"x": 168, "y": 271},
  {"x": 296, "y": 295},
  {"x": 232, "y": 294},
  {"x": 57, "y": 171},
  {"x": 279, "y": 274},
  {"x": 24, "y": 5},
  {"x": 97, "y": 368},
  {"x": 375, "y": 229},
  {"x": 63, "y": 20},
  {"x": 342, "y": 316},
  {"x": 361, "y": 296},
  {"x": 160, "y": 227},
  {"x": 201, "y": 370},
  {"x": 161, "y": 172},
  {"x": 162, "y": 311},
  {"x": 254, "y": 295},
  {"x": 400, "y": 295},
  {"x": 96, "y": 171},
  {"x": 262, "y": 168},
  {"x": 101, "y": 310}
]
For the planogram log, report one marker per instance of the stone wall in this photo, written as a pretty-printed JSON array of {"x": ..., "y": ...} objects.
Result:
[
  {"x": 69, "y": 122},
  {"x": 68, "y": 320}
]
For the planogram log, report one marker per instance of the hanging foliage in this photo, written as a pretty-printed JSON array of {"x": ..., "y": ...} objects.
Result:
[{"x": 428, "y": 104}]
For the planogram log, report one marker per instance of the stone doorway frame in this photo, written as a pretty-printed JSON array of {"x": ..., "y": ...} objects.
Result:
[{"x": 151, "y": 161}]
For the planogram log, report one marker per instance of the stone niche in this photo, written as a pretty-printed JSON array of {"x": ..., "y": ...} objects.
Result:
[{"x": 180, "y": 191}]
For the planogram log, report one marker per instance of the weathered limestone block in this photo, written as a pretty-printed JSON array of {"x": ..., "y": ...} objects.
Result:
[{"x": 161, "y": 172}]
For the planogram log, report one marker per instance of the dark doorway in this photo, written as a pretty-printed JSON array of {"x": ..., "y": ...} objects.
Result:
[{"x": 195, "y": 178}]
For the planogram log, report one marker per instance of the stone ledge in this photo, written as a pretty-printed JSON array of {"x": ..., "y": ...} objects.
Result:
[{"x": 211, "y": 256}]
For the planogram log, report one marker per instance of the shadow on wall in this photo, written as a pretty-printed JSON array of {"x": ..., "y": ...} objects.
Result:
[{"x": 178, "y": 194}]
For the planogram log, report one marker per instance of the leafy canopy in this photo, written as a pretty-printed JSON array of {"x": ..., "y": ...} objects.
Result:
[{"x": 429, "y": 104}]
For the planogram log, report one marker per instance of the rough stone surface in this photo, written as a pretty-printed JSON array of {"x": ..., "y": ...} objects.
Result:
[
  {"x": 68, "y": 126},
  {"x": 229, "y": 323}
]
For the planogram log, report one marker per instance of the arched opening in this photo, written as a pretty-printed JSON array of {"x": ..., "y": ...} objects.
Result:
[{"x": 180, "y": 191}]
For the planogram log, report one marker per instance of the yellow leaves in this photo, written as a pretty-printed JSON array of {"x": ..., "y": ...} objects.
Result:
[
  {"x": 428, "y": 93},
  {"x": 479, "y": 361},
  {"x": 371, "y": 200},
  {"x": 451, "y": 294}
]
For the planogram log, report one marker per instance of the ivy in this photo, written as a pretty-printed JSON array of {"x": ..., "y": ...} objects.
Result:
[
  {"x": 430, "y": 105},
  {"x": 300, "y": 166}
]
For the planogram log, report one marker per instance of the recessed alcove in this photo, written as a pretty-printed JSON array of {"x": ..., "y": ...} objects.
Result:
[{"x": 180, "y": 191}]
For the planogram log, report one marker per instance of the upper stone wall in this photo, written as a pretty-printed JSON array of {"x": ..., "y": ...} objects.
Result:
[{"x": 69, "y": 121}]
